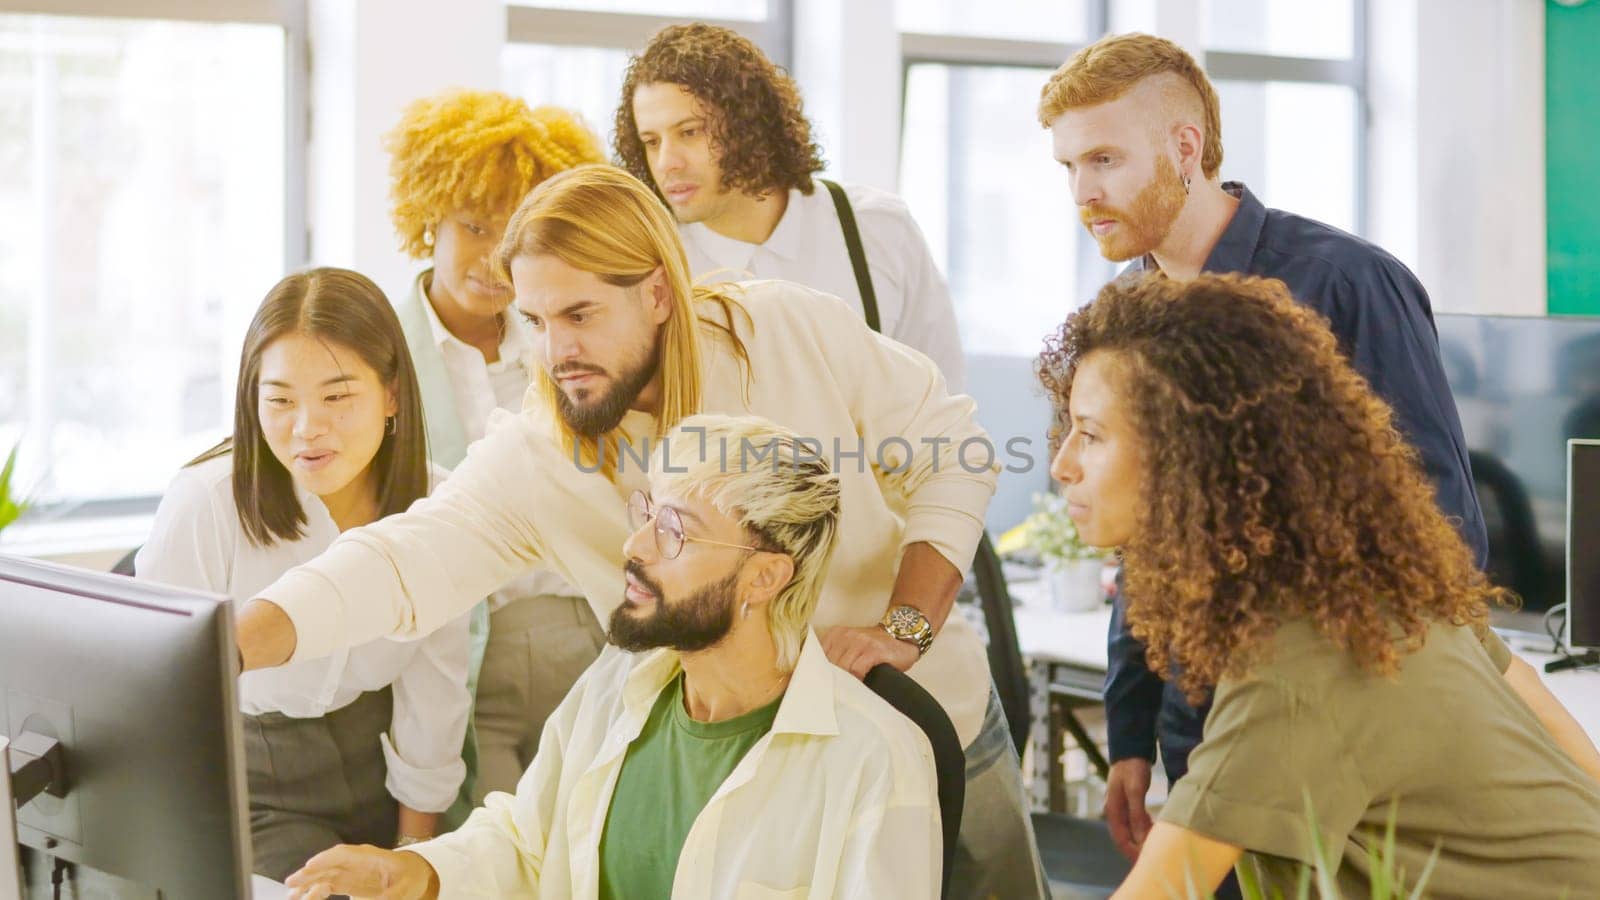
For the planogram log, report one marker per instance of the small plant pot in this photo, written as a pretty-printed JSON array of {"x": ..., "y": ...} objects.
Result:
[{"x": 1075, "y": 584}]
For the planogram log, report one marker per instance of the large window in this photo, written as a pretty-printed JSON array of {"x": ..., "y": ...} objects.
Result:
[
  {"x": 1292, "y": 78},
  {"x": 979, "y": 178},
  {"x": 142, "y": 171},
  {"x": 977, "y": 171}
]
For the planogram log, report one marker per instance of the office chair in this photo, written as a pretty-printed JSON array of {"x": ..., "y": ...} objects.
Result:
[
  {"x": 1515, "y": 558},
  {"x": 1079, "y": 855},
  {"x": 949, "y": 761}
]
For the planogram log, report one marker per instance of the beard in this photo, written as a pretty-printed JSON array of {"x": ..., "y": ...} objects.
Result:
[
  {"x": 1147, "y": 222},
  {"x": 696, "y": 623},
  {"x": 595, "y": 416}
]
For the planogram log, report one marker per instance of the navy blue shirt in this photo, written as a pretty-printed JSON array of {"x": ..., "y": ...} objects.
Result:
[{"x": 1384, "y": 323}]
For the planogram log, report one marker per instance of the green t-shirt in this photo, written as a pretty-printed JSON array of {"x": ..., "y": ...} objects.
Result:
[
  {"x": 671, "y": 770},
  {"x": 1465, "y": 762}
]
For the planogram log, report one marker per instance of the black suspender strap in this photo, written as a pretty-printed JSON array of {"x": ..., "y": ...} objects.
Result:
[{"x": 858, "y": 256}]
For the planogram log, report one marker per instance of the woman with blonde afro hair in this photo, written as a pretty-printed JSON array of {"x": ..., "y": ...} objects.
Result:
[{"x": 461, "y": 162}]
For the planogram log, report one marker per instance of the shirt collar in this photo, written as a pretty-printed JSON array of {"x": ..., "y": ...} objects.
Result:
[
  {"x": 514, "y": 343},
  {"x": 441, "y": 335},
  {"x": 786, "y": 241},
  {"x": 1237, "y": 246},
  {"x": 808, "y": 702}
]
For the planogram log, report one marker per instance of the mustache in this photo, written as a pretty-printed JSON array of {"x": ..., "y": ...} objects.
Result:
[
  {"x": 575, "y": 368},
  {"x": 1088, "y": 215},
  {"x": 637, "y": 571}
]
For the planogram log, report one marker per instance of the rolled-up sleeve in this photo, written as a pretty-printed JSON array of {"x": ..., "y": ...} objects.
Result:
[{"x": 431, "y": 708}]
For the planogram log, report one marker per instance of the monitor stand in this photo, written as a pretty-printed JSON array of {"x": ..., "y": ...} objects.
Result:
[{"x": 10, "y": 863}]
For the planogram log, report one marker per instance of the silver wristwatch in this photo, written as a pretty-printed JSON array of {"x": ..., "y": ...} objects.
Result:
[{"x": 907, "y": 623}]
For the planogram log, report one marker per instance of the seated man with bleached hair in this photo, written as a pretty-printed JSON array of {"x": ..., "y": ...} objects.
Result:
[{"x": 712, "y": 750}]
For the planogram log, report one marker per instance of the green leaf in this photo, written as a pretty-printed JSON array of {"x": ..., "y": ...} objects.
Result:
[{"x": 11, "y": 508}]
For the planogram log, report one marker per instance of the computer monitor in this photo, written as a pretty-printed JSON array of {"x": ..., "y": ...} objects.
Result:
[
  {"x": 136, "y": 682},
  {"x": 1583, "y": 545}
]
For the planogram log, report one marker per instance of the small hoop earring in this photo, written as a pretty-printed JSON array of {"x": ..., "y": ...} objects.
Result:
[
  {"x": 390, "y": 425},
  {"x": 744, "y": 613},
  {"x": 1186, "y": 184},
  {"x": 427, "y": 237}
]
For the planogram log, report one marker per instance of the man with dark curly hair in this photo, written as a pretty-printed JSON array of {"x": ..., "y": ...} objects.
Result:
[
  {"x": 1281, "y": 544},
  {"x": 1137, "y": 125},
  {"x": 717, "y": 130}
]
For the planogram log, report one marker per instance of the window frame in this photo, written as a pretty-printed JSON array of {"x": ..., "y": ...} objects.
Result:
[
  {"x": 629, "y": 31},
  {"x": 293, "y": 16}
]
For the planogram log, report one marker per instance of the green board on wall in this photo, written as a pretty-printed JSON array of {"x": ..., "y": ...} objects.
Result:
[{"x": 1572, "y": 155}]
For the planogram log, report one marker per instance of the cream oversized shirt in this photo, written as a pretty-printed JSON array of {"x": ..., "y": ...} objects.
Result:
[
  {"x": 519, "y": 497},
  {"x": 837, "y": 800}
]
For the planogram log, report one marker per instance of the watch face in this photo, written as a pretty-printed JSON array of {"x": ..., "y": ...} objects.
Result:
[{"x": 905, "y": 622}]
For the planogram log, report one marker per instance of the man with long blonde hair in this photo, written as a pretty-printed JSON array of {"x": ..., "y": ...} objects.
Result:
[
  {"x": 627, "y": 349},
  {"x": 713, "y": 733},
  {"x": 1138, "y": 127}
]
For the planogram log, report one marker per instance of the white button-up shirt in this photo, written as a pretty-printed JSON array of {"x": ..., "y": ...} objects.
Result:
[
  {"x": 481, "y": 387},
  {"x": 198, "y": 542},
  {"x": 808, "y": 248},
  {"x": 838, "y": 800}
]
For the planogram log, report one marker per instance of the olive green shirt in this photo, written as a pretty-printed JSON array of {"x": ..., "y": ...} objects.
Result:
[
  {"x": 1445, "y": 743},
  {"x": 669, "y": 774}
]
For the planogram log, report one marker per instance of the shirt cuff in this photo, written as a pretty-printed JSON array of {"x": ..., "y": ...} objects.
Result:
[
  {"x": 949, "y": 516},
  {"x": 313, "y": 605},
  {"x": 451, "y": 863},
  {"x": 1250, "y": 826},
  {"x": 429, "y": 790}
]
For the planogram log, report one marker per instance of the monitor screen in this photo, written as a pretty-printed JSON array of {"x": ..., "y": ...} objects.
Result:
[
  {"x": 1583, "y": 545},
  {"x": 136, "y": 681},
  {"x": 1523, "y": 386}
]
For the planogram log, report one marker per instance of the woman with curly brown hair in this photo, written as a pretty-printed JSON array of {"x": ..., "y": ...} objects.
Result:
[
  {"x": 719, "y": 133},
  {"x": 460, "y": 163},
  {"x": 1281, "y": 545}
]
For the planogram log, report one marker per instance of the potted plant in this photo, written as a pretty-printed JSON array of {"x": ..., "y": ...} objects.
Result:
[
  {"x": 1072, "y": 569},
  {"x": 11, "y": 507}
]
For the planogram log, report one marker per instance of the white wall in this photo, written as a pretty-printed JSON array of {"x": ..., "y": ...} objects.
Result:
[
  {"x": 369, "y": 58},
  {"x": 1458, "y": 149}
]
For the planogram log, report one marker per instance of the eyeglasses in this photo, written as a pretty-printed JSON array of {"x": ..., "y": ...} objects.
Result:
[{"x": 669, "y": 527}]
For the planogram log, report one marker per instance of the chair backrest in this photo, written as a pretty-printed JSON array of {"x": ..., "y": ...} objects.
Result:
[
  {"x": 1515, "y": 558},
  {"x": 1005, "y": 654},
  {"x": 949, "y": 762}
]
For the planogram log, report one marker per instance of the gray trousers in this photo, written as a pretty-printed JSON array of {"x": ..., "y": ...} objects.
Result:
[
  {"x": 997, "y": 856},
  {"x": 537, "y": 648},
  {"x": 315, "y": 783}
]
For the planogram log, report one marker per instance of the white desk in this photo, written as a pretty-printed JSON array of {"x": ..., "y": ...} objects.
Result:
[
  {"x": 1578, "y": 690},
  {"x": 262, "y": 888},
  {"x": 1066, "y": 657}
]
